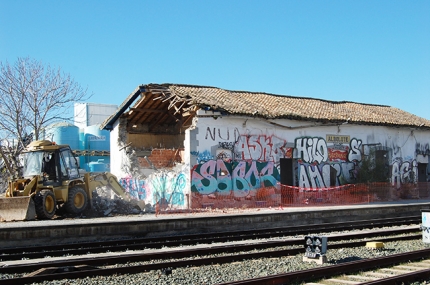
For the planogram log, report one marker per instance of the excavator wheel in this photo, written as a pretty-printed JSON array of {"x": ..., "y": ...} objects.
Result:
[
  {"x": 77, "y": 200},
  {"x": 45, "y": 204}
]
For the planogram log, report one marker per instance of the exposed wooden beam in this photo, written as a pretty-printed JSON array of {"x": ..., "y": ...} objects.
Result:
[
  {"x": 173, "y": 117},
  {"x": 151, "y": 127},
  {"x": 188, "y": 113}
]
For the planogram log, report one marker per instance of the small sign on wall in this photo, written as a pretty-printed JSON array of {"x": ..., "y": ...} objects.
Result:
[
  {"x": 96, "y": 138},
  {"x": 337, "y": 139}
]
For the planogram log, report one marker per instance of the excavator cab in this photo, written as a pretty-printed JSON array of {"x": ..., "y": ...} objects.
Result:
[
  {"x": 53, "y": 165},
  {"x": 49, "y": 170}
]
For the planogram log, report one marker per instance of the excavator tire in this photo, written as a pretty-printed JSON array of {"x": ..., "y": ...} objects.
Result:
[
  {"x": 77, "y": 200},
  {"x": 45, "y": 204}
]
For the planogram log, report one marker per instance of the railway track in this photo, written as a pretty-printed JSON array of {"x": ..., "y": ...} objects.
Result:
[
  {"x": 19, "y": 253},
  {"x": 385, "y": 268},
  {"x": 90, "y": 266}
]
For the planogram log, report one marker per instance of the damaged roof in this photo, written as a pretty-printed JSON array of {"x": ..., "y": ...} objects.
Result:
[{"x": 169, "y": 104}]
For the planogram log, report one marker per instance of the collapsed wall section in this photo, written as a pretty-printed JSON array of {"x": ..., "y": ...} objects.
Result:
[{"x": 151, "y": 168}]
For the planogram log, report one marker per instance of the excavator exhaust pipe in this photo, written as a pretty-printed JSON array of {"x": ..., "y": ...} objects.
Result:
[{"x": 17, "y": 208}]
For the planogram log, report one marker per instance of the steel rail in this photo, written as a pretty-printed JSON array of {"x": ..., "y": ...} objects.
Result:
[
  {"x": 141, "y": 246},
  {"x": 117, "y": 248},
  {"x": 141, "y": 243},
  {"x": 338, "y": 269},
  {"x": 232, "y": 248},
  {"x": 285, "y": 278},
  {"x": 70, "y": 264},
  {"x": 407, "y": 278},
  {"x": 266, "y": 232}
]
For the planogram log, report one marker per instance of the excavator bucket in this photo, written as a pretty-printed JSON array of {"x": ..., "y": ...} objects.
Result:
[{"x": 17, "y": 209}]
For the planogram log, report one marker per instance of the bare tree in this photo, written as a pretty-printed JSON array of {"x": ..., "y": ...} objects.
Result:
[{"x": 32, "y": 96}]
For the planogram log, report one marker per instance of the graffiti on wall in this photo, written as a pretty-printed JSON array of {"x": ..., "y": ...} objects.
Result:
[
  {"x": 312, "y": 150},
  {"x": 216, "y": 134},
  {"x": 422, "y": 149},
  {"x": 134, "y": 187},
  {"x": 242, "y": 162},
  {"x": 202, "y": 156},
  {"x": 246, "y": 146},
  {"x": 404, "y": 172},
  {"x": 260, "y": 148},
  {"x": 320, "y": 166},
  {"x": 239, "y": 178},
  {"x": 166, "y": 187},
  {"x": 225, "y": 151}
]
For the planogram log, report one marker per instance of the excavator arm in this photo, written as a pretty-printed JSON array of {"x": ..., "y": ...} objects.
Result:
[{"x": 105, "y": 179}]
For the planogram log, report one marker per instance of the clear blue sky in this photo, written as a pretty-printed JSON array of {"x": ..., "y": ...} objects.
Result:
[{"x": 364, "y": 51}]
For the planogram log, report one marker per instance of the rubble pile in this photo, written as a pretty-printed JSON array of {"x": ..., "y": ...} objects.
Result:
[
  {"x": 3, "y": 184},
  {"x": 106, "y": 203}
]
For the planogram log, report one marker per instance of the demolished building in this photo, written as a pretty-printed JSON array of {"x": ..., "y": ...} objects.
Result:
[{"x": 183, "y": 146}]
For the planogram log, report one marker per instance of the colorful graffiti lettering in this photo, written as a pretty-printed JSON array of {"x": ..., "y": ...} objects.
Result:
[
  {"x": 346, "y": 172},
  {"x": 260, "y": 148},
  {"x": 310, "y": 176},
  {"x": 202, "y": 156},
  {"x": 211, "y": 176},
  {"x": 134, "y": 187},
  {"x": 354, "y": 153},
  {"x": 169, "y": 186},
  {"x": 404, "y": 172},
  {"x": 326, "y": 174},
  {"x": 235, "y": 167},
  {"x": 422, "y": 149},
  {"x": 337, "y": 154},
  {"x": 238, "y": 178},
  {"x": 312, "y": 149},
  {"x": 321, "y": 166}
]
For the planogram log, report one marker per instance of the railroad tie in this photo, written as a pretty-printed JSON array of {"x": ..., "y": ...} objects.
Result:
[
  {"x": 343, "y": 281},
  {"x": 360, "y": 277}
]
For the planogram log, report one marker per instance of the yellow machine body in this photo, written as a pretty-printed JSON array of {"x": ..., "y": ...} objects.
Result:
[{"x": 24, "y": 195}]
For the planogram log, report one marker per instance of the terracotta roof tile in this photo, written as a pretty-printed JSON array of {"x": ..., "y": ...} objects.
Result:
[
  {"x": 271, "y": 106},
  {"x": 279, "y": 106}
]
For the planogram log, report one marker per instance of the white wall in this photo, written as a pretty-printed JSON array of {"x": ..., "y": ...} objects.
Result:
[
  {"x": 88, "y": 114},
  {"x": 116, "y": 155},
  {"x": 241, "y": 154}
]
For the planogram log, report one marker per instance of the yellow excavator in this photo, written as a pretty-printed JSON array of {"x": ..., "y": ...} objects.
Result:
[{"x": 51, "y": 179}]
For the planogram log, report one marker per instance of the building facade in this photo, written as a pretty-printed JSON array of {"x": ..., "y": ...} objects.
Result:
[
  {"x": 89, "y": 114},
  {"x": 184, "y": 146}
]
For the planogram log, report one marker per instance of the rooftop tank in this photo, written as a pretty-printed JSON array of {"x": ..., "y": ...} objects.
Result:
[
  {"x": 97, "y": 140},
  {"x": 63, "y": 133}
]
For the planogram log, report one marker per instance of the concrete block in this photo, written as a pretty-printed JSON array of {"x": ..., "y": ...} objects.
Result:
[
  {"x": 320, "y": 260},
  {"x": 375, "y": 244}
]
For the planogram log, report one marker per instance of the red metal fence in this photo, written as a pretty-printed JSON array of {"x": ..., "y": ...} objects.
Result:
[{"x": 291, "y": 196}]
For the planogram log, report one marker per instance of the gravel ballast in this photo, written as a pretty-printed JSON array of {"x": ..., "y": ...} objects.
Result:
[{"x": 215, "y": 274}]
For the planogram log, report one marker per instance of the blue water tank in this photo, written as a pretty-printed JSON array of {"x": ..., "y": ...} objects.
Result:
[
  {"x": 97, "y": 166},
  {"x": 63, "y": 133},
  {"x": 81, "y": 139},
  {"x": 97, "y": 140},
  {"x": 82, "y": 160}
]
